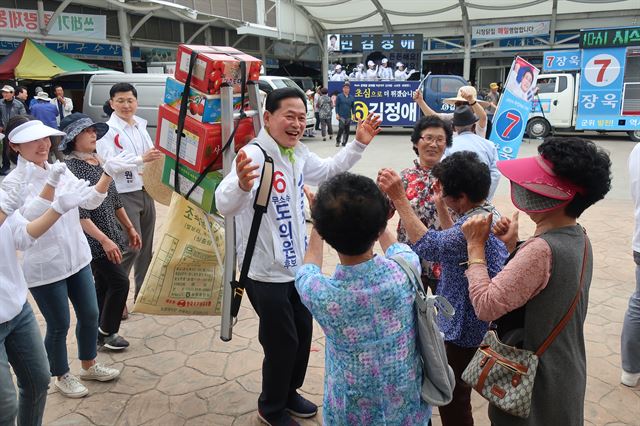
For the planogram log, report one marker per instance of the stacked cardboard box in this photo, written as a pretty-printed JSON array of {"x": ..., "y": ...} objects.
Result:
[{"x": 201, "y": 141}]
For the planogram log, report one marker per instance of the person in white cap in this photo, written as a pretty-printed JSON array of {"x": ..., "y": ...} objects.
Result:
[
  {"x": 44, "y": 110},
  {"x": 21, "y": 345},
  {"x": 56, "y": 268},
  {"x": 467, "y": 95},
  {"x": 385, "y": 72},
  {"x": 372, "y": 71},
  {"x": 338, "y": 74},
  {"x": 33, "y": 100},
  {"x": 401, "y": 72},
  {"x": 361, "y": 73},
  {"x": 9, "y": 108}
]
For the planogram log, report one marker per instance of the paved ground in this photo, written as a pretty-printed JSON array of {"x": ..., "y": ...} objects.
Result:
[{"x": 177, "y": 370}]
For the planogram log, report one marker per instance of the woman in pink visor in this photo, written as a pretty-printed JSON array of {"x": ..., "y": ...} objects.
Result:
[{"x": 547, "y": 277}]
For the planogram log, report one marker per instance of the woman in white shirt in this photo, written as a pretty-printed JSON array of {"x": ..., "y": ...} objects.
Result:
[
  {"x": 21, "y": 345},
  {"x": 56, "y": 267}
]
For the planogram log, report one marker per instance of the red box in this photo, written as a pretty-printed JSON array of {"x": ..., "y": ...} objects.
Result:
[
  {"x": 214, "y": 66},
  {"x": 201, "y": 142}
]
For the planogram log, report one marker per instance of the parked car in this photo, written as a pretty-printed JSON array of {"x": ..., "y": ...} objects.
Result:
[
  {"x": 268, "y": 84},
  {"x": 305, "y": 83}
]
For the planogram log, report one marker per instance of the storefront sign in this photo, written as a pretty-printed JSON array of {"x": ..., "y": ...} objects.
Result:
[
  {"x": 67, "y": 24},
  {"x": 392, "y": 101},
  {"x": 349, "y": 43},
  {"x": 97, "y": 51},
  {"x": 561, "y": 60},
  {"x": 498, "y": 31},
  {"x": 610, "y": 37}
]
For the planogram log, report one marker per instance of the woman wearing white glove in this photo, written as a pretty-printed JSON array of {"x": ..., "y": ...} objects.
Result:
[
  {"x": 21, "y": 343},
  {"x": 103, "y": 226},
  {"x": 56, "y": 267}
]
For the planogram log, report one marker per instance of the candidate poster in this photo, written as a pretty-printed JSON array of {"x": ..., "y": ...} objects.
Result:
[
  {"x": 391, "y": 100},
  {"x": 510, "y": 119}
]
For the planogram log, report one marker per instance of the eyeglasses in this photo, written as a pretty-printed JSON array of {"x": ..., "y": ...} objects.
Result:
[{"x": 432, "y": 139}]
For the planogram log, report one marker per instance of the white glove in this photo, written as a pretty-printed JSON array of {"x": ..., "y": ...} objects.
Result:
[
  {"x": 56, "y": 170},
  {"x": 10, "y": 201},
  {"x": 120, "y": 163},
  {"x": 71, "y": 196}
]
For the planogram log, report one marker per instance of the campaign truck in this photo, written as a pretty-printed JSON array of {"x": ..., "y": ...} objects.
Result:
[
  {"x": 596, "y": 87},
  {"x": 393, "y": 100}
]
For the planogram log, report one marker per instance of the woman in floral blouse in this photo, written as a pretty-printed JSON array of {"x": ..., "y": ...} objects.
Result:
[
  {"x": 373, "y": 371},
  {"x": 431, "y": 136}
]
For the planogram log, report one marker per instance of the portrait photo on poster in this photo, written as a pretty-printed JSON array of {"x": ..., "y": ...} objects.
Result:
[
  {"x": 333, "y": 43},
  {"x": 522, "y": 79}
]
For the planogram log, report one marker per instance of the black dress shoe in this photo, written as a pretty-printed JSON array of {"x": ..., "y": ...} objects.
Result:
[
  {"x": 283, "y": 419},
  {"x": 301, "y": 407}
]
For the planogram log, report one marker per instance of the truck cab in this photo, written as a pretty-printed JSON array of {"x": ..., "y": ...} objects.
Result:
[
  {"x": 555, "y": 105},
  {"x": 439, "y": 87}
]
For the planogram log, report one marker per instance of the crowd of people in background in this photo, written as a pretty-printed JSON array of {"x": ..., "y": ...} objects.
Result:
[
  {"x": 85, "y": 223},
  {"x": 382, "y": 71}
]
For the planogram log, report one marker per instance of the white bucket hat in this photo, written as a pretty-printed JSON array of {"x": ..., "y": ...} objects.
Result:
[
  {"x": 460, "y": 98},
  {"x": 31, "y": 131},
  {"x": 43, "y": 96},
  {"x": 385, "y": 60}
]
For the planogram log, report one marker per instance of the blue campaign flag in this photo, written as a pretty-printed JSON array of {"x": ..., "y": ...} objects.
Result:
[
  {"x": 392, "y": 100},
  {"x": 561, "y": 60},
  {"x": 600, "y": 100},
  {"x": 510, "y": 119}
]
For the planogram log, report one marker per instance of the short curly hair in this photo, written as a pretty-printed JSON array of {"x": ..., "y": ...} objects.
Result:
[
  {"x": 349, "y": 213},
  {"x": 583, "y": 163},
  {"x": 427, "y": 122},
  {"x": 463, "y": 173}
]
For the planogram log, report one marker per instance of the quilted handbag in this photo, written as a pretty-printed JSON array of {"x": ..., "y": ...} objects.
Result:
[{"x": 504, "y": 375}]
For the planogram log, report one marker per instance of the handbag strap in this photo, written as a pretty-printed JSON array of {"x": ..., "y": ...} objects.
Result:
[
  {"x": 260, "y": 206},
  {"x": 440, "y": 302},
  {"x": 563, "y": 322}
]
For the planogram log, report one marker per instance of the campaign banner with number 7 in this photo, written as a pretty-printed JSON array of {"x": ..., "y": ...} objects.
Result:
[
  {"x": 601, "y": 90},
  {"x": 510, "y": 119}
]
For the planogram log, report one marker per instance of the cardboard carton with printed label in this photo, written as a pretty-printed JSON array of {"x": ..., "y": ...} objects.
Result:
[
  {"x": 202, "y": 107},
  {"x": 201, "y": 142},
  {"x": 203, "y": 195},
  {"x": 214, "y": 66}
]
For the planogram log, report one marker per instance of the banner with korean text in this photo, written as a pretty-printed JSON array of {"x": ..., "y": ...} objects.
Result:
[
  {"x": 521, "y": 29},
  {"x": 77, "y": 25},
  {"x": 510, "y": 119},
  {"x": 609, "y": 97},
  {"x": 391, "y": 100},
  {"x": 561, "y": 60}
]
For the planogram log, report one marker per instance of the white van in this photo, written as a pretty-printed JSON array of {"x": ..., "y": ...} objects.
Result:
[{"x": 150, "y": 88}]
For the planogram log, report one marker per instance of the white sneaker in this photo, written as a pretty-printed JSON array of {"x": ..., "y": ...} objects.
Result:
[
  {"x": 629, "y": 379},
  {"x": 70, "y": 386},
  {"x": 99, "y": 372}
]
